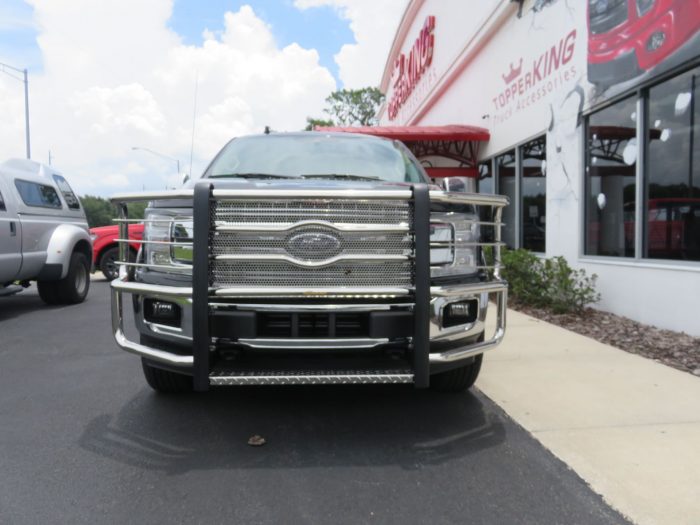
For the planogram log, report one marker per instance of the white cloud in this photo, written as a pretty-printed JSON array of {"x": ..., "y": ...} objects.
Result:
[
  {"x": 374, "y": 24},
  {"x": 114, "y": 76}
]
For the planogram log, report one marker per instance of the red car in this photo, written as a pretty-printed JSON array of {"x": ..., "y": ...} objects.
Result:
[
  {"x": 105, "y": 250},
  {"x": 629, "y": 37}
]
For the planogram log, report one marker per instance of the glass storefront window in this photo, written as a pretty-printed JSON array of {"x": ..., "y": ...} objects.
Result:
[
  {"x": 672, "y": 185},
  {"x": 505, "y": 166},
  {"x": 534, "y": 194},
  {"x": 610, "y": 180},
  {"x": 485, "y": 184}
]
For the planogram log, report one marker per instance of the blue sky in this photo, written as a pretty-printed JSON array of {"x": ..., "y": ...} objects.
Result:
[
  {"x": 18, "y": 36},
  {"x": 189, "y": 19},
  {"x": 115, "y": 78}
]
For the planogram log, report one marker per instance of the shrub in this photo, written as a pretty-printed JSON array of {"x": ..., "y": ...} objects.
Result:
[{"x": 547, "y": 283}]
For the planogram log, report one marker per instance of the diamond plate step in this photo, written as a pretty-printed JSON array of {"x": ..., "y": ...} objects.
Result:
[{"x": 225, "y": 376}]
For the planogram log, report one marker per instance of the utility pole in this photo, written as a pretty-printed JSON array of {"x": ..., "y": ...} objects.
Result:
[
  {"x": 25, "y": 79},
  {"x": 26, "y": 112}
]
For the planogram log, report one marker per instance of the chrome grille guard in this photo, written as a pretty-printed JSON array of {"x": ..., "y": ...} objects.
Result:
[{"x": 213, "y": 210}]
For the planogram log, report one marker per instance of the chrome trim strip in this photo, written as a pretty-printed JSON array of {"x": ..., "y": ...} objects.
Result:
[
  {"x": 312, "y": 307},
  {"x": 468, "y": 289},
  {"x": 298, "y": 343},
  {"x": 283, "y": 227},
  {"x": 310, "y": 379},
  {"x": 308, "y": 292},
  {"x": 184, "y": 268},
  {"x": 168, "y": 243},
  {"x": 267, "y": 193},
  {"x": 311, "y": 194},
  {"x": 310, "y": 264},
  {"x": 139, "y": 221},
  {"x": 457, "y": 354},
  {"x": 160, "y": 356},
  {"x": 121, "y": 285},
  {"x": 153, "y": 195},
  {"x": 476, "y": 199}
]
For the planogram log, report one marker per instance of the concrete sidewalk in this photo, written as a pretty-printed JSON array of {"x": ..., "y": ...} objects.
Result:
[{"x": 627, "y": 425}]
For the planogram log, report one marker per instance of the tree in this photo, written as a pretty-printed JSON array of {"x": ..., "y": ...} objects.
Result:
[
  {"x": 100, "y": 212},
  {"x": 350, "y": 107},
  {"x": 311, "y": 123}
]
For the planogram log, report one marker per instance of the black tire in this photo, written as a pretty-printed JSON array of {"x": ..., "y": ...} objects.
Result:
[
  {"x": 165, "y": 381},
  {"x": 74, "y": 287},
  {"x": 48, "y": 292},
  {"x": 107, "y": 260},
  {"x": 459, "y": 379}
]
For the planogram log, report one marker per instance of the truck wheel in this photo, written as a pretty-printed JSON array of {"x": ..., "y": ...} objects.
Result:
[
  {"x": 48, "y": 292},
  {"x": 107, "y": 263},
  {"x": 165, "y": 381},
  {"x": 458, "y": 379},
  {"x": 74, "y": 287}
]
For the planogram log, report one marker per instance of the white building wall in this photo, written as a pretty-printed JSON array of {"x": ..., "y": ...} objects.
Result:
[{"x": 476, "y": 43}]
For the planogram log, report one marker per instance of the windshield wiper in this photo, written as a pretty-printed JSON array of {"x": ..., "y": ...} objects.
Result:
[
  {"x": 346, "y": 176},
  {"x": 251, "y": 176}
]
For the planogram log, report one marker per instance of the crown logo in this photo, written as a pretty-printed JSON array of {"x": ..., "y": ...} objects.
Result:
[{"x": 513, "y": 73}]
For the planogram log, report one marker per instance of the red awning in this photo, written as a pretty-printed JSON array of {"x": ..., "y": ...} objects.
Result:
[{"x": 452, "y": 133}]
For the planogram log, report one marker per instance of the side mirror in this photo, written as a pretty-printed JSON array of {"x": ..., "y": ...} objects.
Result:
[
  {"x": 185, "y": 178},
  {"x": 458, "y": 184}
]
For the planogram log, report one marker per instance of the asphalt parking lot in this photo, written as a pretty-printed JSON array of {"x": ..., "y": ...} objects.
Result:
[{"x": 83, "y": 439}]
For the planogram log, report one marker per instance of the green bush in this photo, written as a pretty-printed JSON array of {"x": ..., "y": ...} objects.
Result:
[{"x": 547, "y": 283}]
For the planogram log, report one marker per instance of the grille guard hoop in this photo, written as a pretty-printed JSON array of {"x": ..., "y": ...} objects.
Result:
[{"x": 202, "y": 292}]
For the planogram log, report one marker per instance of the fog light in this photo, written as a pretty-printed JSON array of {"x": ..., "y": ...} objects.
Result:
[
  {"x": 161, "y": 312},
  {"x": 463, "y": 312},
  {"x": 656, "y": 40}
]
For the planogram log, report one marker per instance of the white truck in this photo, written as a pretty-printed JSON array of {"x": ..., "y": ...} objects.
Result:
[
  {"x": 43, "y": 234},
  {"x": 311, "y": 258}
]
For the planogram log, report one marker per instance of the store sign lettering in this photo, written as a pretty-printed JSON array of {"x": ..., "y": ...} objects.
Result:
[
  {"x": 540, "y": 77},
  {"x": 409, "y": 70}
]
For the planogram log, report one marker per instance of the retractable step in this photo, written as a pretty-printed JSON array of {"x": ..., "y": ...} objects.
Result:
[{"x": 231, "y": 376}]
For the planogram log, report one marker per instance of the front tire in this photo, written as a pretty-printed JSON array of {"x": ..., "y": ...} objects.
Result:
[
  {"x": 165, "y": 381},
  {"x": 108, "y": 265},
  {"x": 160, "y": 380},
  {"x": 458, "y": 379}
]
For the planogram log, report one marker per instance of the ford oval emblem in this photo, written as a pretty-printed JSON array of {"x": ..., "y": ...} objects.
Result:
[{"x": 313, "y": 245}]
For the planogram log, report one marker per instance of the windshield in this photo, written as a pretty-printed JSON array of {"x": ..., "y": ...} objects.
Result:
[{"x": 315, "y": 156}]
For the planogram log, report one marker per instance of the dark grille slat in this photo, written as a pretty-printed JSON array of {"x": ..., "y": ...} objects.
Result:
[{"x": 313, "y": 325}]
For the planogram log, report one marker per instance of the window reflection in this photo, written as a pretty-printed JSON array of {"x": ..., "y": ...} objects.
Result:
[
  {"x": 505, "y": 166},
  {"x": 485, "y": 184},
  {"x": 610, "y": 180},
  {"x": 672, "y": 185},
  {"x": 534, "y": 195}
]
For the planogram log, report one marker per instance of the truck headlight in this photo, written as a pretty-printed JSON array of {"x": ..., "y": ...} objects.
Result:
[
  {"x": 157, "y": 230},
  {"x": 169, "y": 240},
  {"x": 453, "y": 238}
]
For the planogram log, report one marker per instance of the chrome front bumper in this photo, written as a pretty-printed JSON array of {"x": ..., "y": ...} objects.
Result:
[{"x": 440, "y": 295}]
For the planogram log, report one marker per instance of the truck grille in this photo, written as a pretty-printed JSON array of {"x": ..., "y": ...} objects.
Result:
[
  {"x": 309, "y": 243},
  {"x": 287, "y": 211}
]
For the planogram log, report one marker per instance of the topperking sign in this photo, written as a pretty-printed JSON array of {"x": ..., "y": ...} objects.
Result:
[{"x": 409, "y": 70}]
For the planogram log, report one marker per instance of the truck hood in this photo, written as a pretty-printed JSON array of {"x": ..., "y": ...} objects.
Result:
[
  {"x": 287, "y": 184},
  {"x": 300, "y": 184}
]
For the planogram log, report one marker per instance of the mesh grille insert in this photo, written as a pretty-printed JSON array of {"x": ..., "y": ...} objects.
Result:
[{"x": 312, "y": 243}]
